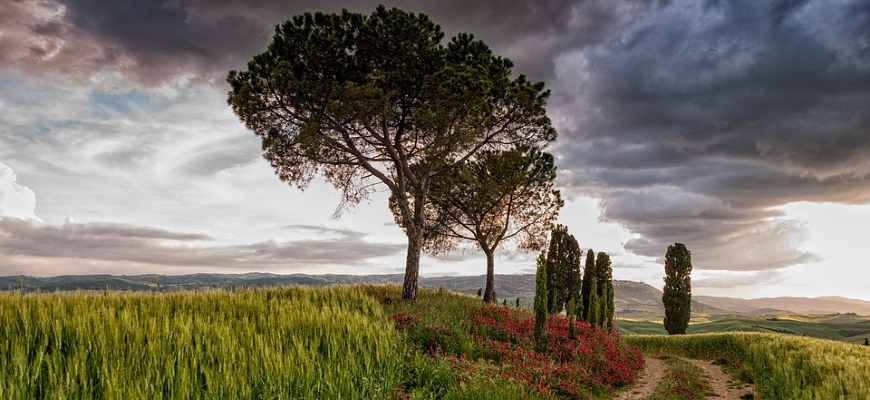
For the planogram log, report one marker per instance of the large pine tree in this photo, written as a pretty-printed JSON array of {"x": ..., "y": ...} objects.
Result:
[
  {"x": 677, "y": 294},
  {"x": 384, "y": 101}
]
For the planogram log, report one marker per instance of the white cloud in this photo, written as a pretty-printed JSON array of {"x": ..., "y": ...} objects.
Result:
[{"x": 15, "y": 200}]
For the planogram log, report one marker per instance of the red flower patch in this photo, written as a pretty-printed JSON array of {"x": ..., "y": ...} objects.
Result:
[{"x": 593, "y": 358}]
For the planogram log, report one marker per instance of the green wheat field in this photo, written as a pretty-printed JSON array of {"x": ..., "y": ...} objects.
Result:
[{"x": 327, "y": 343}]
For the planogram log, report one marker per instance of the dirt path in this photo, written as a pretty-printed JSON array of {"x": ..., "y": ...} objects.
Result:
[
  {"x": 724, "y": 387},
  {"x": 652, "y": 373}
]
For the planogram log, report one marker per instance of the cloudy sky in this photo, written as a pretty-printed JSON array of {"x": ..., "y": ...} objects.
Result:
[{"x": 741, "y": 128}]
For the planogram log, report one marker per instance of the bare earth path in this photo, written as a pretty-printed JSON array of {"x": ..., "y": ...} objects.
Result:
[
  {"x": 723, "y": 386},
  {"x": 653, "y": 372}
]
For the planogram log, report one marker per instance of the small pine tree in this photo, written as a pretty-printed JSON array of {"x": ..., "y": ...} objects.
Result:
[
  {"x": 541, "y": 304},
  {"x": 479, "y": 292},
  {"x": 518, "y": 302},
  {"x": 586, "y": 286},
  {"x": 504, "y": 302},
  {"x": 677, "y": 293}
]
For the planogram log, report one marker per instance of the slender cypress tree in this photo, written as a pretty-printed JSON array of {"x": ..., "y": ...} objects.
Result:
[
  {"x": 571, "y": 310},
  {"x": 604, "y": 278},
  {"x": 677, "y": 294},
  {"x": 586, "y": 287},
  {"x": 593, "y": 312},
  {"x": 541, "y": 304},
  {"x": 518, "y": 302},
  {"x": 611, "y": 308},
  {"x": 563, "y": 268}
]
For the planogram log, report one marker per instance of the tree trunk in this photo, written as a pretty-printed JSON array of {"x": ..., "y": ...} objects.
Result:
[
  {"x": 412, "y": 266},
  {"x": 489, "y": 294}
]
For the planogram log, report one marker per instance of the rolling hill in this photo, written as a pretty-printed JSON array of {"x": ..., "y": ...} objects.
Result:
[{"x": 633, "y": 299}]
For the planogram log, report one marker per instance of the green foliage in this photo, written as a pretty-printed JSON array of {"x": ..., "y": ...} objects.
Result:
[
  {"x": 271, "y": 343},
  {"x": 563, "y": 269},
  {"x": 594, "y": 308},
  {"x": 382, "y": 99},
  {"x": 782, "y": 366},
  {"x": 677, "y": 293},
  {"x": 496, "y": 197},
  {"x": 541, "y": 304},
  {"x": 586, "y": 285},
  {"x": 571, "y": 310},
  {"x": 611, "y": 307},
  {"x": 604, "y": 284}
]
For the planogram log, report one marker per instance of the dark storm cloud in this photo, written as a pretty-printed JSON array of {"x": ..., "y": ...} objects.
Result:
[
  {"x": 154, "y": 41},
  {"x": 698, "y": 119},
  {"x": 25, "y": 244}
]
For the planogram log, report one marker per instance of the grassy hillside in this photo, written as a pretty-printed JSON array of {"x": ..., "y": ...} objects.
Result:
[
  {"x": 344, "y": 342},
  {"x": 782, "y": 367},
  {"x": 800, "y": 305}
]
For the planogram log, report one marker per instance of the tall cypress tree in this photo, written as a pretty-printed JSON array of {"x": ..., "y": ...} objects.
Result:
[
  {"x": 586, "y": 287},
  {"x": 563, "y": 268},
  {"x": 611, "y": 308},
  {"x": 604, "y": 278},
  {"x": 541, "y": 310},
  {"x": 571, "y": 309},
  {"x": 593, "y": 312},
  {"x": 677, "y": 293}
]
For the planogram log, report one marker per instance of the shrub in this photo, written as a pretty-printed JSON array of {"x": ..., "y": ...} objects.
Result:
[{"x": 594, "y": 360}]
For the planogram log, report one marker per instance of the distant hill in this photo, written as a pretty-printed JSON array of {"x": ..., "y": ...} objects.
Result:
[
  {"x": 801, "y": 305},
  {"x": 633, "y": 299}
]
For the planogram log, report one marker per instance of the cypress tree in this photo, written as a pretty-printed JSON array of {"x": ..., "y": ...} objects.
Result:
[
  {"x": 611, "y": 308},
  {"x": 479, "y": 291},
  {"x": 563, "y": 268},
  {"x": 586, "y": 286},
  {"x": 677, "y": 294},
  {"x": 604, "y": 278},
  {"x": 518, "y": 302},
  {"x": 541, "y": 304},
  {"x": 571, "y": 311},
  {"x": 593, "y": 308}
]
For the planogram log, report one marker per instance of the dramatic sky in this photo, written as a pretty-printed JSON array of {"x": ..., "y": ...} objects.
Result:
[{"x": 739, "y": 127}]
